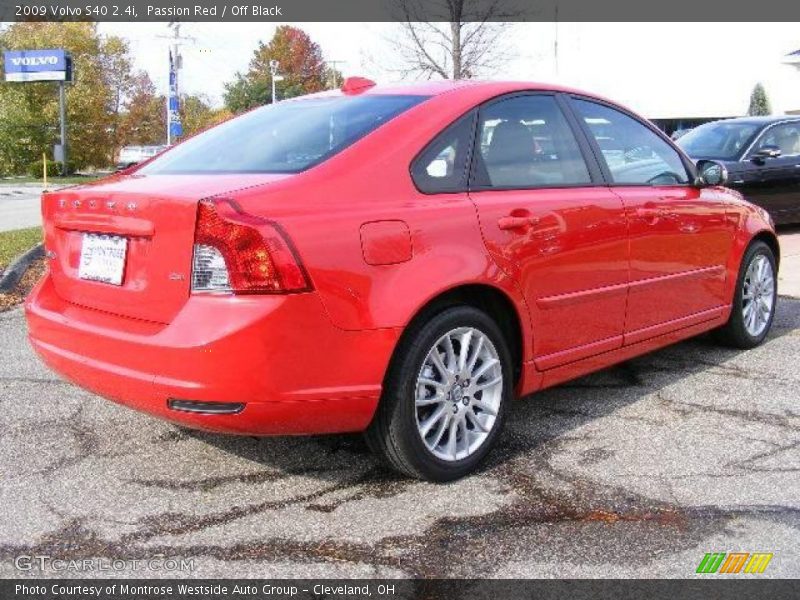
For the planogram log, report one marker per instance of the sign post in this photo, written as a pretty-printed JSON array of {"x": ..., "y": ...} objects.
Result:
[
  {"x": 22, "y": 66},
  {"x": 62, "y": 112}
]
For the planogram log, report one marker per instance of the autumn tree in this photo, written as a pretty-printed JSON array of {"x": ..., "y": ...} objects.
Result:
[
  {"x": 143, "y": 115},
  {"x": 301, "y": 65},
  {"x": 759, "y": 103},
  {"x": 451, "y": 39}
]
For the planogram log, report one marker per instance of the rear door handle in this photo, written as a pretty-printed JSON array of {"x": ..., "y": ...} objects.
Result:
[{"x": 507, "y": 223}]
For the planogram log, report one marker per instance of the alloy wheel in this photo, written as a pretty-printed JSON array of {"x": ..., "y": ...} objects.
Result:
[
  {"x": 758, "y": 295},
  {"x": 458, "y": 393}
]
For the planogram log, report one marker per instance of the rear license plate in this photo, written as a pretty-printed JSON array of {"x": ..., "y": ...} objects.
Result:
[{"x": 103, "y": 258}]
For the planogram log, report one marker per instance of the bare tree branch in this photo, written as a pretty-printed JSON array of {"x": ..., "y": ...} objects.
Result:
[{"x": 464, "y": 38}]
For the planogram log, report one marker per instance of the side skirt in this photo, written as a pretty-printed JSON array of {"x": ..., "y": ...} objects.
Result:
[{"x": 535, "y": 380}]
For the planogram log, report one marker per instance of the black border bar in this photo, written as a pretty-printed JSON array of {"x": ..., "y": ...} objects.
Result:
[
  {"x": 333, "y": 11},
  {"x": 733, "y": 587}
]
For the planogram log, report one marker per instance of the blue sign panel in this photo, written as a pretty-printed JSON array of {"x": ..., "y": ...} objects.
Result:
[
  {"x": 36, "y": 65},
  {"x": 173, "y": 113}
]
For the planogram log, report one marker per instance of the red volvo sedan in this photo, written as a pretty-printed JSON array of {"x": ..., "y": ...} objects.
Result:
[{"x": 401, "y": 261}]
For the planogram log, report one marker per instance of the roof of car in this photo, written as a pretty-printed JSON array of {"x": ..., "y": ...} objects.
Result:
[
  {"x": 479, "y": 89},
  {"x": 445, "y": 86},
  {"x": 437, "y": 87}
]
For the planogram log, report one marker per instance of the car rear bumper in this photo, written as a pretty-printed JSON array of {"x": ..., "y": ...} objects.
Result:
[{"x": 279, "y": 356}]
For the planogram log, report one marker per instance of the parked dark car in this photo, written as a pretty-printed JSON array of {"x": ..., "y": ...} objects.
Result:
[{"x": 762, "y": 155}]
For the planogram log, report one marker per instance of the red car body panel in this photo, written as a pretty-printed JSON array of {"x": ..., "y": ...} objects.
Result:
[
  {"x": 281, "y": 355},
  {"x": 158, "y": 217},
  {"x": 605, "y": 273},
  {"x": 574, "y": 257}
]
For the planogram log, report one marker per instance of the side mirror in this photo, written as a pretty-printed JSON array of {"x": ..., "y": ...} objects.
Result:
[
  {"x": 766, "y": 152},
  {"x": 712, "y": 173}
]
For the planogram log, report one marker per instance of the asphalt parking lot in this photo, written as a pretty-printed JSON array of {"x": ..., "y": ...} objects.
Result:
[{"x": 636, "y": 471}]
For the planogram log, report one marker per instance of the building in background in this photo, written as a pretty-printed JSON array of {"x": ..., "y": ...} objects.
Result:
[{"x": 678, "y": 125}]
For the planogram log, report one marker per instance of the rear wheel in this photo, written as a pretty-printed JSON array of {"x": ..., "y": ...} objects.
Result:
[
  {"x": 445, "y": 397},
  {"x": 755, "y": 299}
]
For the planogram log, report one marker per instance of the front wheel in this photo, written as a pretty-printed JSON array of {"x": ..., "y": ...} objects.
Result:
[
  {"x": 446, "y": 396},
  {"x": 755, "y": 299}
]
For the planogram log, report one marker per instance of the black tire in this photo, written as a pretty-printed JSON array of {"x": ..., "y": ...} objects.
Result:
[
  {"x": 734, "y": 333},
  {"x": 393, "y": 434}
]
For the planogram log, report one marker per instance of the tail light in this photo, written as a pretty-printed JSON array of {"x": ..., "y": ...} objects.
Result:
[{"x": 243, "y": 254}]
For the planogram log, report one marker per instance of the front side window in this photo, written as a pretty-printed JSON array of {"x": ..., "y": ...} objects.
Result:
[
  {"x": 785, "y": 137},
  {"x": 287, "y": 137},
  {"x": 633, "y": 153},
  {"x": 526, "y": 142}
]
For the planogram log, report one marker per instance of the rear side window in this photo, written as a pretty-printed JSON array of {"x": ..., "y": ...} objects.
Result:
[
  {"x": 633, "y": 153},
  {"x": 525, "y": 142},
  {"x": 287, "y": 137},
  {"x": 443, "y": 165}
]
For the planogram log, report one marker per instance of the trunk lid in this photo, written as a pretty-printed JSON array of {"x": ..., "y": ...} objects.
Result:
[{"x": 156, "y": 215}]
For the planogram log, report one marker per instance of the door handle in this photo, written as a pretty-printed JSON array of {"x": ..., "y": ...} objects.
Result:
[
  {"x": 646, "y": 212},
  {"x": 507, "y": 223}
]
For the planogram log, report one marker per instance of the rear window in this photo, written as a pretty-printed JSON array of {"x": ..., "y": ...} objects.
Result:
[{"x": 287, "y": 137}]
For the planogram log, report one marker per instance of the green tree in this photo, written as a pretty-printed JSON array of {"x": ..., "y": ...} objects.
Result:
[
  {"x": 197, "y": 114},
  {"x": 120, "y": 81},
  {"x": 759, "y": 103},
  {"x": 29, "y": 111},
  {"x": 301, "y": 64}
]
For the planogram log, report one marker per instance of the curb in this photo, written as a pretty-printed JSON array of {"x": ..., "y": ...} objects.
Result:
[{"x": 17, "y": 268}]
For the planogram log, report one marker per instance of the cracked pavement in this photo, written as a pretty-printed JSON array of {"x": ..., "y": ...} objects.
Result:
[{"x": 636, "y": 471}]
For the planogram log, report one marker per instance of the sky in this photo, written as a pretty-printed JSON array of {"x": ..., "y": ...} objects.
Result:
[{"x": 660, "y": 70}]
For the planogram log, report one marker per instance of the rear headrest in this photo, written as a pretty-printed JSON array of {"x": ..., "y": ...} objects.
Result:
[{"x": 511, "y": 142}]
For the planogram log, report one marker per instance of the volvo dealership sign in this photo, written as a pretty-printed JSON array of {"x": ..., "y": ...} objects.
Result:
[
  {"x": 37, "y": 65},
  {"x": 44, "y": 65}
]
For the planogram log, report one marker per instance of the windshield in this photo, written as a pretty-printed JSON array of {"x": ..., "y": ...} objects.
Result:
[
  {"x": 720, "y": 140},
  {"x": 287, "y": 137}
]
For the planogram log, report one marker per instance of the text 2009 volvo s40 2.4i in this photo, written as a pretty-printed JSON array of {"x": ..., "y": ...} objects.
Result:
[{"x": 402, "y": 261}]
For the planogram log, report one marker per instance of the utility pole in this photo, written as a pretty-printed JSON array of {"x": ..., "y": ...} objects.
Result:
[
  {"x": 555, "y": 42},
  {"x": 176, "y": 64},
  {"x": 332, "y": 64}
]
